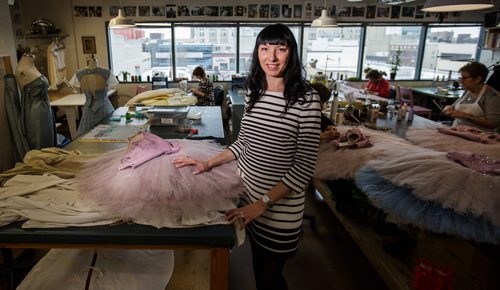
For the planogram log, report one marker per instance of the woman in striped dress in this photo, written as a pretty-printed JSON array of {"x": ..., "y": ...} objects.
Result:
[{"x": 276, "y": 152}]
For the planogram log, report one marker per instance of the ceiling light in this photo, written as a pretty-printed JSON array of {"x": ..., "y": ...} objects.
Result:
[
  {"x": 121, "y": 21},
  {"x": 394, "y": 2},
  {"x": 456, "y": 5},
  {"x": 324, "y": 20}
]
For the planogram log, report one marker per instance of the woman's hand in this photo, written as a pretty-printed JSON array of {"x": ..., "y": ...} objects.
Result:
[
  {"x": 200, "y": 166},
  {"x": 459, "y": 114},
  {"x": 447, "y": 110},
  {"x": 246, "y": 213}
]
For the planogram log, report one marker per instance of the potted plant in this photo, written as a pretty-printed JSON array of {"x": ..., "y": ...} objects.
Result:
[
  {"x": 125, "y": 75},
  {"x": 396, "y": 62}
]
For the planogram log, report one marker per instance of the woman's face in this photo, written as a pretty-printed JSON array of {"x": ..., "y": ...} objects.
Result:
[{"x": 273, "y": 59}]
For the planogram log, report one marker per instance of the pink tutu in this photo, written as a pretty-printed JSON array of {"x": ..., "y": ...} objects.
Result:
[
  {"x": 334, "y": 163},
  {"x": 158, "y": 193},
  {"x": 431, "y": 138}
]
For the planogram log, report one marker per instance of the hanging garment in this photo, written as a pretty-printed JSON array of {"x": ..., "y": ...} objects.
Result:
[
  {"x": 38, "y": 123},
  {"x": 97, "y": 104},
  {"x": 13, "y": 108},
  {"x": 159, "y": 194},
  {"x": 111, "y": 269},
  {"x": 56, "y": 62}
]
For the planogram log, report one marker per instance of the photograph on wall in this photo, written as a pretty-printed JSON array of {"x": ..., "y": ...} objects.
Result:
[
  {"x": 95, "y": 11},
  {"x": 264, "y": 11},
  {"x": 275, "y": 11},
  {"x": 419, "y": 14},
  {"x": 113, "y": 11},
  {"x": 395, "y": 11},
  {"x": 183, "y": 11},
  {"x": 130, "y": 11},
  {"x": 408, "y": 11},
  {"x": 144, "y": 11},
  {"x": 345, "y": 12},
  {"x": 370, "y": 11},
  {"x": 226, "y": 11},
  {"x": 253, "y": 11},
  {"x": 358, "y": 11},
  {"x": 211, "y": 10},
  {"x": 171, "y": 11},
  {"x": 383, "y": 12},
  {"x": 297, "y": 11},
  {"x": 81, "y": 11},
  {"x": 308, "y": 10},
  {"x": 332, "y": 11},
  {"x": 88, "y": 44},
  {"x": 196, "y": 10},
  {"x": 317, "y": 10},
  {"x": 158, "y": 10},
  {"x": 240, "y": 10},
  {"x": 286, "y": 11}
]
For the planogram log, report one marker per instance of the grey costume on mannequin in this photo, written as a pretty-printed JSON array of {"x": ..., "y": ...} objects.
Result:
[
  {"x": 97, "y": 104},
  {"x": 38, "y": 124},
  {"x": 13, "y": 108}
]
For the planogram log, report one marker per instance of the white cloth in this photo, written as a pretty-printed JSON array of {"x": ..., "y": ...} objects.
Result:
[
  {"x": 56, "y": 63},
  {"x": 473, "y": 108},
  {"x": 47, "y": 201},
  {"x": 113, "y": 269}
]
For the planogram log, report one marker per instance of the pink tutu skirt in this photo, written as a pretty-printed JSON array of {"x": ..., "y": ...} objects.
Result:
[{"x": 159, "y": 194}]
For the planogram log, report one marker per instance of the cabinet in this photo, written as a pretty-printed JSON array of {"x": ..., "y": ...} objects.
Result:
[{"x": 492, "y": 39}]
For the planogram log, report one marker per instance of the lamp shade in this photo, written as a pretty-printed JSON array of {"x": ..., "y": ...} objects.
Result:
[
  {"x": 324, "y": 20},
  {"x": 121, "y": 21},
  {"x": 456, "y": 5}
]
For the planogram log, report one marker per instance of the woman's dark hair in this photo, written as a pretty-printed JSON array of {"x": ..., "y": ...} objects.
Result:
[
  {"x": 295, "y": 85},
  {"x": 475, "y": 69},
  {"x": 373, "y": 74},
  {"x": 199, "y": 72}
]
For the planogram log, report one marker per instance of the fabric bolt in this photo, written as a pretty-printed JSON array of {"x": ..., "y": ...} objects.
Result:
[
  {"x": 37, "y": 120},
  {"x": 113, "y": 269},
  {"x": 433, "y": 139},
  {"x": 97, "y": 104},
  {"x": 274, "y": 146},
  {"x": 48, "y": 201},
  {"x": 207, "y": 87},
  {"x": 159, "y": 194},
  {"x": 143, "y": 147},
  {"x": 342, "y": 163},
  {"x": 471, "y": 133},
  {"x": 480, "y": 163},
  {"x": 407, "y": 208},
  {"x": 13, "y": 108},
  {"x": 433, "y": 177}
]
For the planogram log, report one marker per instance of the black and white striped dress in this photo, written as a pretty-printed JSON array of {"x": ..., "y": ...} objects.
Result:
[{"x": 273, "y": 146}]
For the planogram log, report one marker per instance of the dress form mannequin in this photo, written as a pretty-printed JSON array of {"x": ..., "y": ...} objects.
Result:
[
  {"x": 92, "y": 82},
  {"x": 26, "y": 71}
]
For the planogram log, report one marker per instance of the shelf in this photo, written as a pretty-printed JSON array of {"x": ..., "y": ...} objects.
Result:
[
  {"x": 43, "y": 36},
  {"x": 489, "y": 48}
]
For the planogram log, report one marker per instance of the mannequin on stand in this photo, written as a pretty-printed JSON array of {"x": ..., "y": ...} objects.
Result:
[
  {"x": 37, "y": 121},
  {"x": 94, "y": 82}
]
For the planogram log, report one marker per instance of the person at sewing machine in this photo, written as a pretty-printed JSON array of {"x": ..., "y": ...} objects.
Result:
[
  {"x": 377, "y": 85},
  {"x": 479, "y": 107}
]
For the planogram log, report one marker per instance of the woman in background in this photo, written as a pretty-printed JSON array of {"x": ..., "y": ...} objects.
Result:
[
  {"x": 205, "y": 90},
  {"x": 377, "y": 85}
]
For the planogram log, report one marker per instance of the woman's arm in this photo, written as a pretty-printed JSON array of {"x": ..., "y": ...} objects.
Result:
[{"x": 203, "y": 166}]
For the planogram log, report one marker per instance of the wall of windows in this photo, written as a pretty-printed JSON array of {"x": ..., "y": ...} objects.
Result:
[{"x": 175, "y": 49}]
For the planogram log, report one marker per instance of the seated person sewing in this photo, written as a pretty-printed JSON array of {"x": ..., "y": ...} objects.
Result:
[
  {"x": 479, "y": 107},
  {"x": 328, "y": 130},
  {"x": 377, "y": 85},
  {"x": 205, "y": 90}
]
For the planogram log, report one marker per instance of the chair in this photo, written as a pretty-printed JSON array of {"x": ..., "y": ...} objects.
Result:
[{"x": 406, "y": 96}]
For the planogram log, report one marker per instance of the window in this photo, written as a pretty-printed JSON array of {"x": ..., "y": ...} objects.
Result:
[
  {"x": 248, "y": 35},
  {"x": 382, "y": 44},
  {"x": 141, "y": 51},
  {"x": 447, "y": 49},
  {"x": 335, "y": 49},
  {"x": 215, "y": 53}
]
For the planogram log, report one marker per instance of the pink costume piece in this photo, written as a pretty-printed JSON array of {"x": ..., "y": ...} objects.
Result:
[
  {"x": 353, "y": 138},
  {"x": 334, "y": 163},
  {"x": 431, "y": 138},
  {"x": 471, "y": 133},
  {"x": 433, "y": 177},
  {"x": 479, "y": 163},
  {"x": 143, "y": 147},
  {"x": 159, "y": 194}
]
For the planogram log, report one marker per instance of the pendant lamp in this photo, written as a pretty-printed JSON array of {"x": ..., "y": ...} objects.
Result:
[
  {"x": 324, "y": 20},
  {"x": 121, "y": 21},
  {"x": 456, "y": 5}
]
